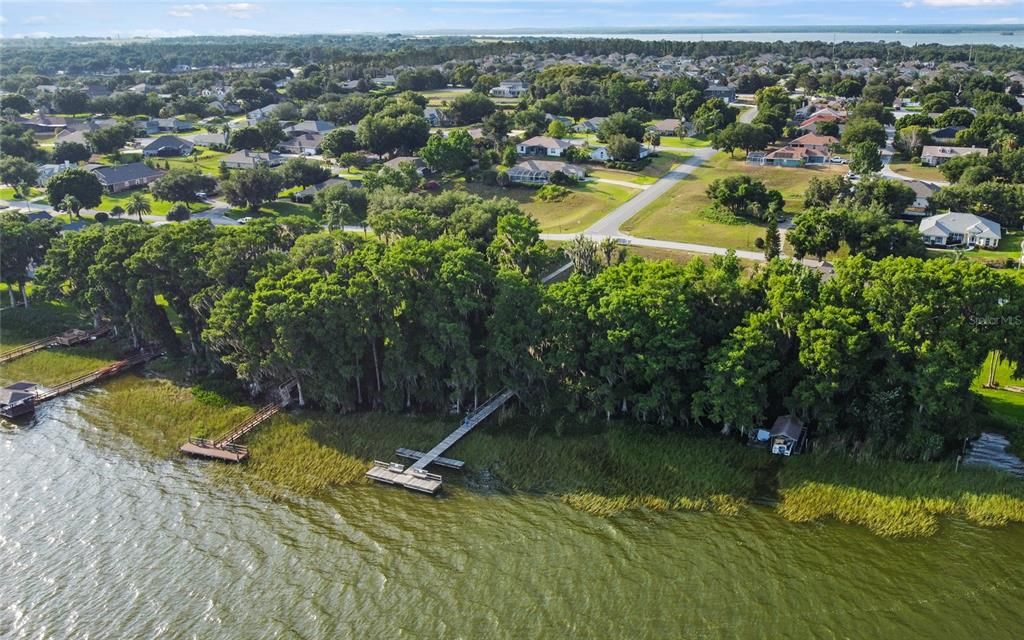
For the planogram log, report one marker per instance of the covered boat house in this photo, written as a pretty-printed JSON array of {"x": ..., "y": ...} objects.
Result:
[
  {"x": 18, "y": 399},
  {"x": 787, "y": 435}
]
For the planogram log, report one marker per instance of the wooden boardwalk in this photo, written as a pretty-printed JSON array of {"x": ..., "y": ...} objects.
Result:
[
  {"x": 65, "y": 339},
  {"x": 42, "y": 394},
  {"x": 416, "y": 476},
  {"x": 226, "y": 447},
  {"x": 89, "y": 378}
]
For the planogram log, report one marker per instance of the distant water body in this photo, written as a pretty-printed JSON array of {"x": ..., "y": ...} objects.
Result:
[{"x": 906, "y": 38}]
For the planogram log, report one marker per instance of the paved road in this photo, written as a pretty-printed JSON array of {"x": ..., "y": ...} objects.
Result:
[{"x": 609, "y": 225}]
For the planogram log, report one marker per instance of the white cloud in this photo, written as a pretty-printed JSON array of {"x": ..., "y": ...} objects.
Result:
[
  {"x": 239, "y": 9},
  {"x": 186, "y": 10},
  {"x": 233, "y": 9}
]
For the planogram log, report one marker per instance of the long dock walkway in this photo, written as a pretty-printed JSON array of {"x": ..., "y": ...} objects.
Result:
[
  {"x": 23, "y": 397},
  {"x": 226, "y": 447},
  {"x": 416, "y": 476},
  {"x": 65, "y": 339}
]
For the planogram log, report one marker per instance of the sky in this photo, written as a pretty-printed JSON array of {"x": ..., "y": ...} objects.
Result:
[{"x": 155, "y": 18}]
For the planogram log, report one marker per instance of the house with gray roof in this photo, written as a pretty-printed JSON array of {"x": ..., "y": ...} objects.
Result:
[
  {"x": 933, "y": 156},
  {"x": 126, "y": 176},
  {"x": 167, "y": 146},
  {"x": 306, "y": 144},
  {"x": 310, "y": 126},
  {"x": 539, "y": 172},
  {"x": 543, "y": 146},
  {"x": 248, "y": 159},
  {"x": 960, "y": 229}
]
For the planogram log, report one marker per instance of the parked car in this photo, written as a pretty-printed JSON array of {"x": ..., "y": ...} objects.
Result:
[
  {"x": 245, "y": 220},
  {"x": 838, "y": 160}
]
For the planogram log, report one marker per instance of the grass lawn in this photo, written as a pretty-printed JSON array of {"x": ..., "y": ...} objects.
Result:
[
  {"x": 1009, "y": 247},
  {"x": 587, "y": 204},
  {"x": 273, "y": 210},
  {"x": 1003, "y": 403},
  {"x": 160, "y": 208},
  {"x": 674, "y": 216},
  {"x": 205, "y": 160},
  {"x": 679, "y": 257},
  {"x": 7, "y": 193},
  {"x": 623, "y": 176},
  {"x": 917, "y": 171},
  {"x": 689, "y": 142}
]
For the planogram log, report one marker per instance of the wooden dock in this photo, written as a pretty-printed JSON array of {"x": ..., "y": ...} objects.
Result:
[
  {"x": 42, "y": 394},
  {"x": 66, "y": 339},
  {"x": 226, "y": 447},
  {"x": 416, "y": 476}
]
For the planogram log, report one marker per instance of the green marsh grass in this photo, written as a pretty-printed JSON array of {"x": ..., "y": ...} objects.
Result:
[{"x": 54, "y": 365}]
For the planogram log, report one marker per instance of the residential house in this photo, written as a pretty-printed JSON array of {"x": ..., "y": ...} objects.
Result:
[
  {"x": 823, "y": 115},
  {"x": 436, "y": 117},
  {"x": 211, "y": 139},
  {"x": 538, "y": 172},
  {"x": 935, "y": 155},
  {"x": 602, "y": 154},
  {"x": 166, "y": 146},
  {"x": 45, "y": 124},
  {"x": 721, "y": 91},
  {"x": 47, "y": 171},
  {"x": 820, "y": 145},
  {"x": 126, "y": 176},
  {"x": 509, "y": 89},
  {"x": 307, "y": 194},
  {"x": 666, "y": 127},
  {"x": 543, "y": 146},
  {"x": 76, "y": 136},
  {"x": 162, "y": 125},
  {"x": 388, "y": 80},
  {"x": 946, "y": 135},
  {"x": 35, "y": 216},
  {"x": 590, "y": 125},
  {"x": 960, "y": 229},
  {"x": 566, "y": 120},
  {"x": 262, "y": 113},
  {"x": 306, "y": 144},
  {"x": 309, "y": 126},
  {"x": 247, "y": 159},
  {"x": 793, "y": 156},
  {"x": 923, "y": 191},
  {"x": 421, "y": 166}
]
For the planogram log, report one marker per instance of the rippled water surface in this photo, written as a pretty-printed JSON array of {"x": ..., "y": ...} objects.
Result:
[{"x": 100, "y": 540}]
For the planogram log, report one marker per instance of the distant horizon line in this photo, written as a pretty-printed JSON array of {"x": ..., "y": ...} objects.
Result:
[{"x": 923, "y": 28}]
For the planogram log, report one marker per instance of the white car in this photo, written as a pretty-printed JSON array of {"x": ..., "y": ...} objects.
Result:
[
  {"x": 245, "y": 220},
  {"x": 838, "y": 160}
]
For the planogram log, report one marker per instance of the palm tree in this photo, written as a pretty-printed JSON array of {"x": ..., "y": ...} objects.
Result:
[
  {"x": 72, "y": 205},
  {"x": 138, "y": 205}
]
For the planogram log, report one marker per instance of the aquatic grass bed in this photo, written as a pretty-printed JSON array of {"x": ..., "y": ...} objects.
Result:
[
  {"x": 160, "y": 415},
  {"x": 54, "y": 365},
  {"x": 591, "y": 466},
  {"x": 897, "y": 499}
]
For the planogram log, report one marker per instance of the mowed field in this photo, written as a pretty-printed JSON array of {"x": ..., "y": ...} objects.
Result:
[
  {"x": 586, "y": 204},
  {"x": 676, "y": 215}
]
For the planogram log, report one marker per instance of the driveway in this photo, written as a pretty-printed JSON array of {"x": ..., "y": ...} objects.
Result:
[{"x": 609, "y": 225}]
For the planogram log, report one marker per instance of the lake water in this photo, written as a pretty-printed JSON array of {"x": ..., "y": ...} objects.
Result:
[
  {"x": 977, "y": 37},
  {"x": 100, "y": 540}
]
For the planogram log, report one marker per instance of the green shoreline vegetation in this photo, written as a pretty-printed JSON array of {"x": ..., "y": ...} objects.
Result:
[{"x": 596, "y": 467}]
